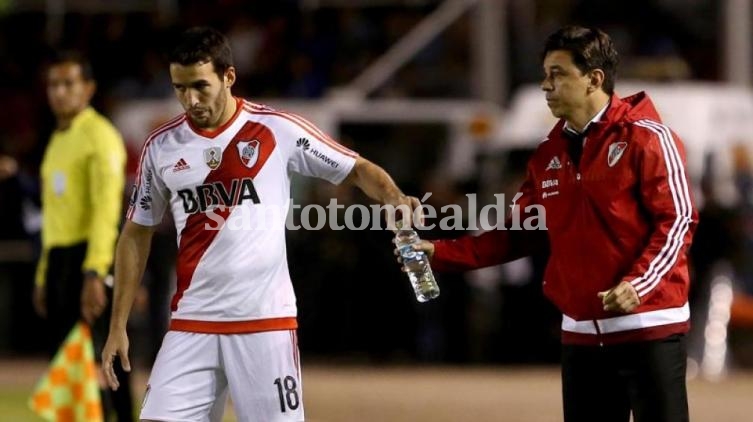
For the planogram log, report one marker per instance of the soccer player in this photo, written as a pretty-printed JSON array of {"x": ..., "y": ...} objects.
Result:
[
  {"x": 233, "y": 325},
  {"x": 620, "y": 218},
  {"x": 83, "y": 172}
]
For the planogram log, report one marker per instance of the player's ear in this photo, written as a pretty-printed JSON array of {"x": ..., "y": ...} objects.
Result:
[{"x": 230, "y": 76}]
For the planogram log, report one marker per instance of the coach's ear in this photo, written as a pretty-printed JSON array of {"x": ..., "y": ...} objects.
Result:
[{"x": 595, "y": 80}]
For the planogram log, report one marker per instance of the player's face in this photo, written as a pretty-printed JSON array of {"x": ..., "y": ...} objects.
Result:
[
  {"x": 566, "y": 87},
  {"x": 67, "y": 91},
  {"x": 202, "y": 92}
]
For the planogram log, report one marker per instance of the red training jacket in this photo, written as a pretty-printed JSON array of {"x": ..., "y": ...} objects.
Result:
[{"x": 624, "y": 214}]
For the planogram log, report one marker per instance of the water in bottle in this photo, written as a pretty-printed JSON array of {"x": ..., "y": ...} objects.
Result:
[{"x": 417, "y": 264}]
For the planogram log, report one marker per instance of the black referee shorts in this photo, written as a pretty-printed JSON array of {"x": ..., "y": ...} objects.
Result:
[
  {"x": 63, "y": 286},
  {"x": 606, "y": 383},
  {"x": 64, "y": 283}
]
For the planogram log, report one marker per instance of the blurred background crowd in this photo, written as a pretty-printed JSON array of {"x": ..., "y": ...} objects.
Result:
[{"x": 354, "y": 303}]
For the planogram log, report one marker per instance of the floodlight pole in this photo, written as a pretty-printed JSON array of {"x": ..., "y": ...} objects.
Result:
[
  {"x": 55, "y": 11},
  {"x": 408, "y": 46},
  {"x": 738, "y": 51},
  {"x": 489, "y": 61}
]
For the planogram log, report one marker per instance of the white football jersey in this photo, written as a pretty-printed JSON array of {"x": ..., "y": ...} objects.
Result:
[{"x": 229, "y": 192}]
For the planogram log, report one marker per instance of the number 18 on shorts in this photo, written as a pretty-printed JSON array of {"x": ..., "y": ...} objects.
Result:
[{"x": 194, "y": 372}]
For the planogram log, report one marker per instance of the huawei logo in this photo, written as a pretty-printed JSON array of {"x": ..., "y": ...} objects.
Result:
[
  {"x": 146, "y": 202},
  {"x": 303, "y": 143}
]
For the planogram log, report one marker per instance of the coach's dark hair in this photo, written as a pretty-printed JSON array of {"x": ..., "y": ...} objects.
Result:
[
  {"x": 591, "y": 49},
  {"x": 75, "y": 57},
  {"x": 202, "y": 44}
]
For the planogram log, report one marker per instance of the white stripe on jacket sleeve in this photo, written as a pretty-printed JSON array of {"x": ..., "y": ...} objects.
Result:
[{"x": 667, "y": 256}]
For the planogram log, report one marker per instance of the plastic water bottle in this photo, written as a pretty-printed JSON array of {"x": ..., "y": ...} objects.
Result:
[{"x": 417, "y": 263}]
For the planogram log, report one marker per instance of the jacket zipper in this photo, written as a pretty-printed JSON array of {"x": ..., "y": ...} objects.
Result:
[
  {"x": 580, "y": 192},
  {"x": 580, "y": 161},
  {"x": 598, "y": 332}
]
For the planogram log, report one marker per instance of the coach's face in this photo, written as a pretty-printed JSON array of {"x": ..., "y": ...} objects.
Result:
[
  {"x": 566, "y": 87},
  {"x": 202, "y": 92}
]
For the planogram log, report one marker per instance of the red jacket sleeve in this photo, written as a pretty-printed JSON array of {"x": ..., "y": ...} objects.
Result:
[
  {"x": 492, "y": 247},
  {"x": 665, "y": 194}
]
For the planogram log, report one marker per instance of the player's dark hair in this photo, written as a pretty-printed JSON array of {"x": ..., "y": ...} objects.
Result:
[
  {"x": 75, "y": 57},
  {"x": 202, "y": 44},
  {"x": 591, "y": 49}
]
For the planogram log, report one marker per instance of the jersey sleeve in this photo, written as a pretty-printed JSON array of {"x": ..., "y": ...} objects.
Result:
[
  {"x": 149, "y": 196},
  {"x": 106, "y": 169},
  {"x": 311, "y": 152}
]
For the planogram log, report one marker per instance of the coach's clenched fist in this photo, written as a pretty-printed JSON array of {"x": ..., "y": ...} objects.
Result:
[{"x": 622, "y": 298}]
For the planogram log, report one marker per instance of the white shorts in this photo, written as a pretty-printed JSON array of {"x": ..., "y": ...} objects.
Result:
[{"x": 193, "y": 373}]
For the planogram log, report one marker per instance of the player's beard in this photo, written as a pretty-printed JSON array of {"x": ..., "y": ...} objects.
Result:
[
  {"x": 214, "y": 113},
  {"x": 220, "y": 105}
]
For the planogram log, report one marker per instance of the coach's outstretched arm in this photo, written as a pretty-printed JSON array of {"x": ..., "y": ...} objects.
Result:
[
  {"x": 130, "y": 261},
  {"x": 378, "y": 185}
]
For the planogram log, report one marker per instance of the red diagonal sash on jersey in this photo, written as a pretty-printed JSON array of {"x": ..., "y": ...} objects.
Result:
[{"x": 195, "y": 238}]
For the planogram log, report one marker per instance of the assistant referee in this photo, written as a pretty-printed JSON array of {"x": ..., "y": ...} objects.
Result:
[{"x": 82, "y": 176}]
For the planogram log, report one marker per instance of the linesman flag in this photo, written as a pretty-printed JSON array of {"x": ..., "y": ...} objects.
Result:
[{"x": 69, "y": 391}]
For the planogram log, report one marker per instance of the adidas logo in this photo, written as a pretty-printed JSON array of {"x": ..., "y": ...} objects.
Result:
[
  {"x": 554, "y": 164},
  {"x": 181, "y": 165},
  {"x": 303, "y": 143}
]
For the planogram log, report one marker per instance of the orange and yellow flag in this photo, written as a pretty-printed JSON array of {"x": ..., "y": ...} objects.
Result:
[{"x": 69, "y": 391}]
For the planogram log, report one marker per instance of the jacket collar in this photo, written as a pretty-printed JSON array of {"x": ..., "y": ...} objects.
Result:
[
  {"x": 595, "y": 119},
  {"x": 619, "y": 112}
]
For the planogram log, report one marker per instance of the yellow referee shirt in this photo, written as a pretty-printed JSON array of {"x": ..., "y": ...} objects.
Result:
[{"x": 82, "y": 190}]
